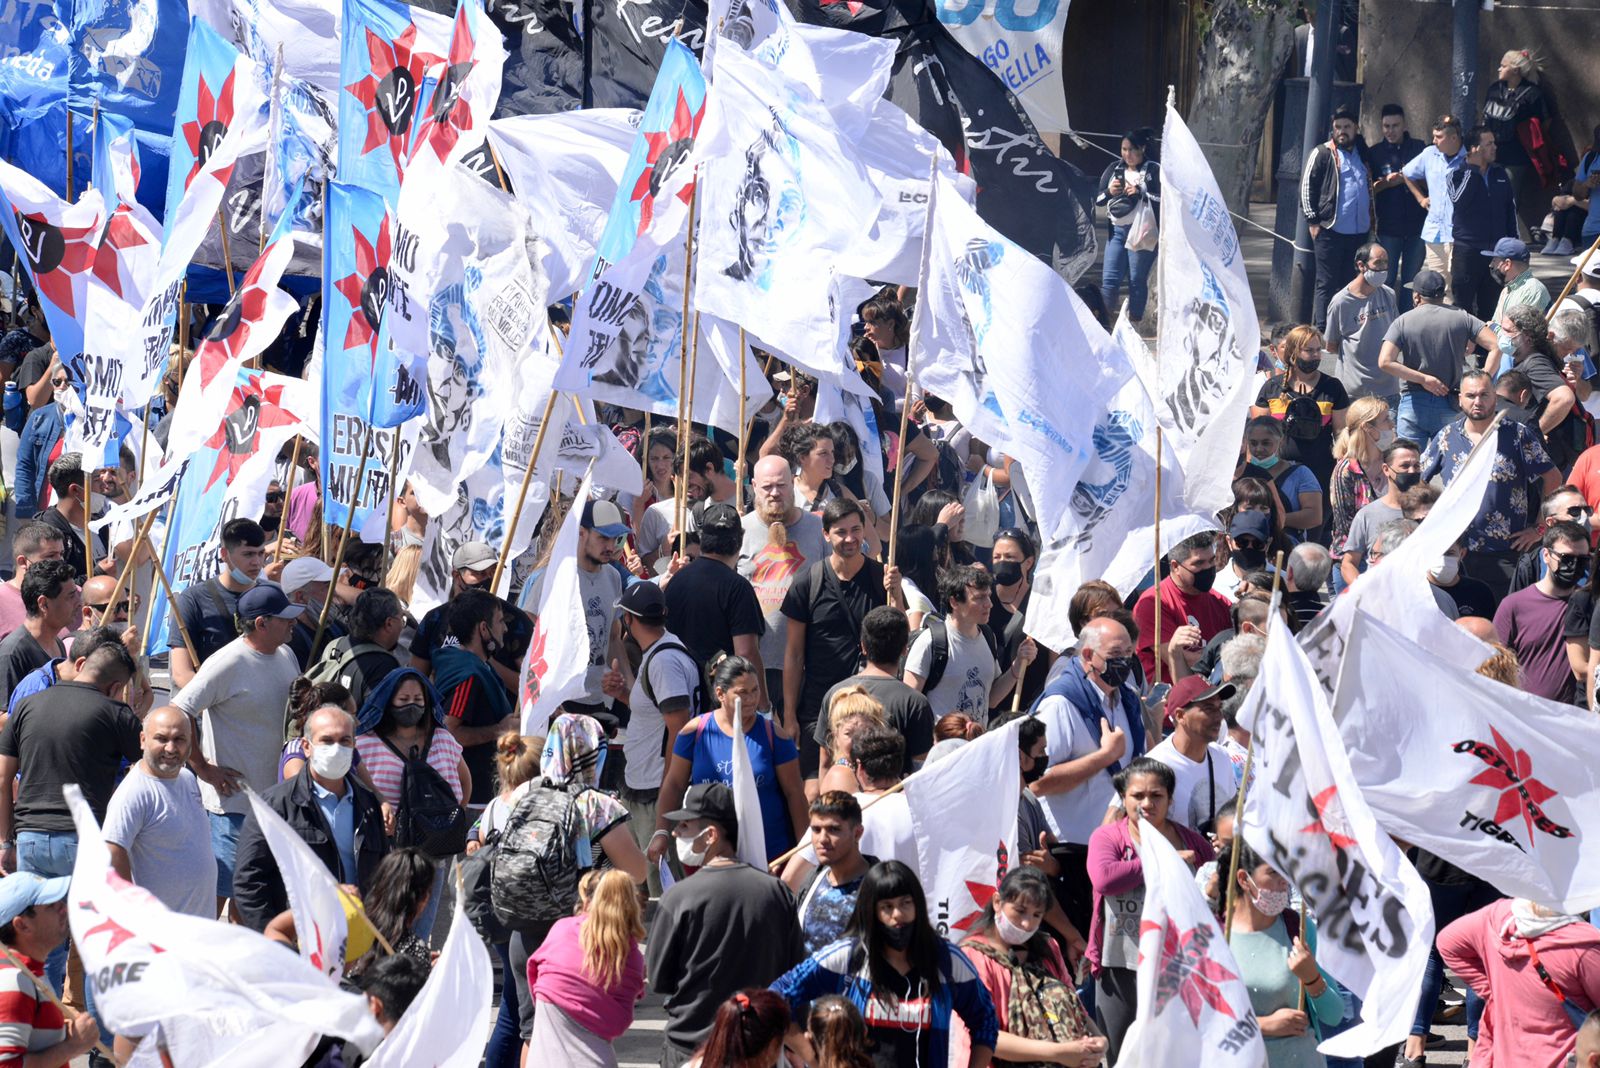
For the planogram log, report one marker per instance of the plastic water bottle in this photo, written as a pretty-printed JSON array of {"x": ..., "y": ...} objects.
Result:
[{"x": 14, "y": 413}]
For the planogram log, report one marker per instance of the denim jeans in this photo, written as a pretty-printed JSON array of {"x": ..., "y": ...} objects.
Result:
[
  {"x": 1405, "y": 258},
  {"x": 53, "y": 853},
  {"x": 1124, "y": 266},
  {"x": 423, "y": 928},
  {"x": 505, "y": 1043},
  {"x": 1422, "y": 415},
  {"x": 1451, "y": 901}
]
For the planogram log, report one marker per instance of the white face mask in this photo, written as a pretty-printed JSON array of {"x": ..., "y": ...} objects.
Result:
[
  {"x": 1010, "y": 933},
  {"x": 844, "y": 469},
  {"x": 1446, "y": 569},
  {"x": 331, "y": 761},
  {"x": 98, "y": 504},
  {"x": 687, "y": 854},
  {"x": 1268, "y": 902},
  {"x": 1385, "y": 438},
  {"x": 1375, "y": 278}
]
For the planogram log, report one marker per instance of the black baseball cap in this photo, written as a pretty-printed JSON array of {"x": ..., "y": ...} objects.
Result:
[
  {"x": 1427, "y": 284},
  {"x": 645, "y": 600},
  {"x": 708, "y": 801},
  {"x": 720, "y": 516}
]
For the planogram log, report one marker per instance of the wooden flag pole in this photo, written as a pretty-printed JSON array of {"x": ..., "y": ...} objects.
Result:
[
  {"x": 166, "y": 541},
  {"x": 88, "y": 543},
  {"x": 1155, "y": 644},
  {"x": 344, "y": 540},
  {"x": 388, "y": 518},
  {"x": 685, "y": 382},
  {"x": 686, "y": 432},
  {"x": 227, "y": 261},
  {"x": 744, "y": 431},
  {"x": 900, "y": 468},
  {"x": 522, "y": 494},
  {"x": 172, "y": 601},
  {"x": 126, "y": 575},
  {"x": 1573, "y": 280},
  {"x": 283, "y": 522},
  {"x": 70, "y": 190},
  {"x": 1232, "y": 890},
  {"x": 48, "y": 991},
  {"x": 776, "y": 865}
]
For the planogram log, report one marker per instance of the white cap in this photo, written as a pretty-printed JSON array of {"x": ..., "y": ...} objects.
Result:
[
  {"x": 1592, "y": 268},
  {"x": 303, "y": 570}
]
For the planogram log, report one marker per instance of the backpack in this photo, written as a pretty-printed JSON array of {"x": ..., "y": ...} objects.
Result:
[
  {"x": 939, "y": 633},
  {"x": 428, "y": 817},
  {"x": 948, "y": 474},
  {"x": 332, "y": 667},
  {"x": 476, "y": 898},
  {"x": 1302, "y": 416},
  {"x": 698, "y": 699},
  {"x": 533, "y": 876}
]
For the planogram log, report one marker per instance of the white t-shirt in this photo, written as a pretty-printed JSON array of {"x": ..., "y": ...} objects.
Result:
[
  {"x": 599, "y": 589},
  {"x": 673, "y": 673},
  {"x": 165, "y": 829},
  {"x": 1075, "y": 814},
  {"x": 885, "y": 831},
  {"x": 967, "y": 677},
  {"x": 1191, "y": 799},
  {"x": 242, "y": 694}
]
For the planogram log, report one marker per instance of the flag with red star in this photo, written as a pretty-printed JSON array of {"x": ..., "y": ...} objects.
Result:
[
  {"x": 462, "y": 91},
  {"x": 219, "y": 92},
  {"x": 385, "y": 62},
  {"x": 1500, "y": 782},
  {"x": 964, "y": 821},
  {"x": 1193, "y": 1006},
  {"x": 161, "y": 966},
  {"x": 55, "y": 243},
  {"x": 1306, "y": 816}
]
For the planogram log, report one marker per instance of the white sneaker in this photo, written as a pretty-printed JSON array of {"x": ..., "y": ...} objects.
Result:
[{"x": 1564, "y": 248}]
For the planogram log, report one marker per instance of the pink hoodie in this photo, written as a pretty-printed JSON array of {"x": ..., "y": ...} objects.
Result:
[
  {"x": 556, "y": 975},
  {"x": 1524, "y": 1026}
]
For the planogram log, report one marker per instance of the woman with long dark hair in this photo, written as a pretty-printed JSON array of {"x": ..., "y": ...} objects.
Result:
[
  {"x": 1127, "y": 185},
  {"x": 401, "y": 889},
  {"x": 747, "y": 1033},
  {"x": 905, "y": 979}
]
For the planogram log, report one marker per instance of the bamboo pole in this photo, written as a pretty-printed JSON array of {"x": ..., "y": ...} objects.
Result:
[
  {"x": 166, "y": 542},
  {"x": 775, "y": 865},
  {"x": 172, "y": 603},
  {"x": 70, "y": 190},
  {"x": 294, "y": 473},
  {"x": 388, "y": 518},
  {"x": 88, "y": 541},
  {"x": 744, "y": 431},
  {"x": 1232, "y": 891},
  {"x": 344, "y": 540},
  {"x": 900, "y": 468},
  {"x": 126, "y": 575},
  {"x": 522, "y": 494},
  {"x": 227, "y": 264},
  {"x": 685, "y": 433}
]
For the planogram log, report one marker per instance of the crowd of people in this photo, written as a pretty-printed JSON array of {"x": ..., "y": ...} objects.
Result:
[{"x": 834, "y": 613}]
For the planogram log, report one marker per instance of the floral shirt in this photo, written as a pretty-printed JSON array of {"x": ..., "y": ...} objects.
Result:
[
  {"x": 1511, "y": 503},
  {"x": 1351, "y": 489}
]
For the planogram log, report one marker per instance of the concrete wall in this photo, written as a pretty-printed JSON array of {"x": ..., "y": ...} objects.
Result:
[{"x": 1405, "y": 51}]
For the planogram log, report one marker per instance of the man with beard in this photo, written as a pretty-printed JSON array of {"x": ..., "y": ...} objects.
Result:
[
  {"x": 780, "y": 540},
  {"x": 1336, "y": 197}
]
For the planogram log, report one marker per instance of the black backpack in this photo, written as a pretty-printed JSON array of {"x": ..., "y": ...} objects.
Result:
[
  {"x": 698, "y": 700},
  {"x": 1302, "y": 416},
  {"x": 533, "y": 878},
  {"x": 428, "y": 817},
  {"x": 939, "y": 633},
  {"x": 477, "y": 900}
]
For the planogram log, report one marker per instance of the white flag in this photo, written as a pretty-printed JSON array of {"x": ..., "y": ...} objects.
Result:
[
  {"x": 319, "y": 922},
  {"x": 1209, "y": 335},
  {"x": 1499, "y": 782},
  {"x": 783, "y": 195},
  {"x": 558, "y": 655},
  {"x": 964, "y": 820},
  {"x": 150, "y": 965},
  {"x": 747, "y": 800},
  {"x": 1307, "y": 818},
  {"x": 447, "y": 1026},
  {"x": 1193, "y": 1006},
  {"x": 1113, "y": 503},
  {"x": 1001, "y": 337}
]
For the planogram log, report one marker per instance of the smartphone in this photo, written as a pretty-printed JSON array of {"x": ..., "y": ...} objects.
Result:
[{"x": 1157, "y": 694}]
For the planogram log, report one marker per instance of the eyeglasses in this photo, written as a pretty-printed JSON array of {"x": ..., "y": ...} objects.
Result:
[
  {"x": 1249, "y": 543},
  {"x": 1578, "y": 511},
  {"x": 1562, "y": 558}
]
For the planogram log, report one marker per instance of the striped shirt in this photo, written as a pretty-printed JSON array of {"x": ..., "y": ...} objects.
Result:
[
  {"x": 387, "y": 769},
  {"x": 28, "y": 1023}
]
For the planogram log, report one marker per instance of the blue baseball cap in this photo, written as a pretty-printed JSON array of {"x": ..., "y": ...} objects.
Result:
[
  {"x": 1507, "y": 248},
  {"x": 21, "y": 891},
  {"x": 265, "y": 599}
]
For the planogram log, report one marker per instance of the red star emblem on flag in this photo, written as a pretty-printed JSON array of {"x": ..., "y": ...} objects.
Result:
[
  {"x": 982, "y": 894},
  {"x": 667, "y": 151},
  {"x": 251, "y": 407},
  {"x": 203, "y": 133},
  {"x": 1187, "y": 971},
  {"x": 538, "y": 667},
  {"x": 389, "y": 91},
  {"x": 120, "y": 234},
  {"x": 1330, "y": 819},
  {"x": 230, "y": 332},
  {"x": 449, "y": 116},
  {"x": 1521, "y": 793},
  {"x": 57, "y": 255},
  {"x": 367, "y": 287}
]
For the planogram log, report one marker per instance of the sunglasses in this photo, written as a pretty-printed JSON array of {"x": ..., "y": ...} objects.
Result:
[
  {"x": 121, "y": 608},
  {"x": 274, "y": 498}
]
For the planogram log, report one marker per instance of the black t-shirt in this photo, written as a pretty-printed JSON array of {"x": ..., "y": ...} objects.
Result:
[
  {"x": 1472, "y": 598},
  {"x": 433, "y": 633},
  {"x": 1008, "y": 627},
  {"x": 68, "y": 733},
  {"x": 33, "y": 367},
  {"x": 906, "y": 710},
  {"x": 832, "y": 615},
  {"x": 20, "y": 654},
  {"x": 1304, "y": 605},
  {"x": 1566, "y": 440},
  {"x": 708, "y": 605},
  {"x": 1399, "y": 214},
  {"x": 305, "y": 629},
  {"x": 208, "y": 609},
  {"x": 71, "y": 542},
  {"x": 1316, "y": 453}
]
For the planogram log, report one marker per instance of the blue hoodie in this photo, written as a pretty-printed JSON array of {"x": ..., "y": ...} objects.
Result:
[{"x": 377, "y": 702}]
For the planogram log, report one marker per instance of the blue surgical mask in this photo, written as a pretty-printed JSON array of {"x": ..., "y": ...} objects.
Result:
[
  {"x": 240, "y": 577},
  {"x": 1508, "y": 347},
  {"x": 1264, "y": 461}
]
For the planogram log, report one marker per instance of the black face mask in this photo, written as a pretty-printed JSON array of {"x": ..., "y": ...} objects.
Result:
[
  {"x": 1567, "y": 573},
  {"x": 1204, "y": 578},
  {"x": 1250, "y": 559},
  {"x": 1404, "y": 480},
  {"x": 1308, "y": 366},
  {"x": 1035, "y": 773},
  {"x": 1117, "y": 670},
  {"x": 1007, "y": 573},
  {"x": 898, "y": 937},
  {"x": 408, "y": 715}
]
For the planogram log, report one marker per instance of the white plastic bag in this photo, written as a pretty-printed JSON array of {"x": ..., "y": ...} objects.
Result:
[
  {"x": 983, "y": 511},
  {"x": 1141, "y": 228}
]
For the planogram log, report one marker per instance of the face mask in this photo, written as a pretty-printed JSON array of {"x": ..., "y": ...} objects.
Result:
[
  {"x": 1307, "y": 366},
  {"x": 1264, "y": 462},
  {"x": 1035, "y": 773},
  {"x": 1010, "y": 933},
  {"x": 1404, "y": 480},
  {"x": 1385, "y": 438},
  {"x": 844, "y": 469},
  {"x": 1567, "y": 573},
  {"x": 1204, "y": 578},
  {"x": 239, "y": 576},
  {"x": 898, "y": 937},
  {"x": 1117, "y": 670},
  {"x": 490, "y": 646},
  {"x": 1446, "y": 569},
  {"x": 1250, "y": 559},
  {"x": 1498, "y": 275},
  {"x": 1375, "y": 278},
  {"x": 408, "y": 715},
  {"x": 687, "y": 854},
  {"x": 1268, "y": 902},
  {"x": 97, "y": 504},
  {"x": 331, "y": 761},
  {"x": 1508, "y": 347},
  {"x": 1007, "y": 573}
]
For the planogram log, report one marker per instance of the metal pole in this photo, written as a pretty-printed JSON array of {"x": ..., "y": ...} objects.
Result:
[
  {"x": 1464, "y": 62},
  {"x": 1302, "y": 283}
]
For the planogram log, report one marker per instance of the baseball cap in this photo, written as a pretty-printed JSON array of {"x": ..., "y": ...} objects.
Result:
[
  {"x": 1195, "y": 688},
  {"x": 605, "y": 518},
  {"x": 473, "y": 556},
  {"x": 1250, "y": 523},
  {"x": 1507, "y": 248},
  {"x": 23, "y": 890},
  {"x": 1592, "y": 268},
  {"x": 302, "y": 571},
  {"x": 1428, "y": 284},
  {"x": 265, "y": 599},
  {"x": 708, "y": 801},
  {"x": 720, "y": 516},
  {"x": 645, "y": 600}
]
